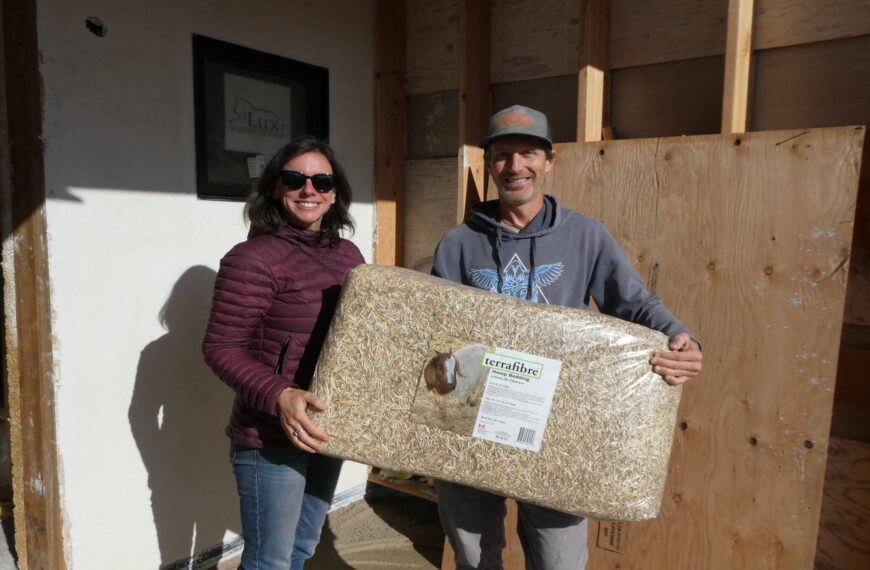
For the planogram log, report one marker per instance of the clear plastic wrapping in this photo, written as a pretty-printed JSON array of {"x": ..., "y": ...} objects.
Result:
[{"x": 549, "y": 405}]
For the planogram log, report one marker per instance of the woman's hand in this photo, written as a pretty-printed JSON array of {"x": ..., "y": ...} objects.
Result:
[
  {"x": 300, "y": 429},
  {"x": 680, "y": 366}
]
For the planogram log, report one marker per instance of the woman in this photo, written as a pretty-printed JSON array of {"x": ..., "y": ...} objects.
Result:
[{"x": 274, "y": 297}]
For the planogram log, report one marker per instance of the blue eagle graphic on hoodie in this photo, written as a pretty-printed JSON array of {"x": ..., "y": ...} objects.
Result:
[{"x": 517, "y": 280}]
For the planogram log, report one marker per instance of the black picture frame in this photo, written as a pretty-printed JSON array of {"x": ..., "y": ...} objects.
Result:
[{"x": 245, "y": 103}]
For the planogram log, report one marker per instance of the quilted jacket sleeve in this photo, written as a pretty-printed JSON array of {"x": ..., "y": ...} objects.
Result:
[{"x": 244, "y": 291}]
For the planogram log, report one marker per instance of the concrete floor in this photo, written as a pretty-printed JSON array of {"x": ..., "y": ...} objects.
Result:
[
  {"x": 7, "y": 548},
  {"x": 386, "y": 530}
]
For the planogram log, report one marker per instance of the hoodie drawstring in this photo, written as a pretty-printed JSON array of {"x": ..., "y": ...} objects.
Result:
[
  {"x": 532, "y": 268},
  {"x": 498, "y": 259},
  {"x": 533, "y": 245}
]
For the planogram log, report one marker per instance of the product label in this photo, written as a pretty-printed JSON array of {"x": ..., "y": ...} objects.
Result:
[
  {"x": 517, "y": 399},
  {"x": 492, "y": 393}
]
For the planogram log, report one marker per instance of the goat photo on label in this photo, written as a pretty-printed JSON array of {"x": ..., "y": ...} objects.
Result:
[{"x": 451, "y": 385}]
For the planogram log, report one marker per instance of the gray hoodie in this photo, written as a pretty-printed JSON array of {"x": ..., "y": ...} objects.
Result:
[{"x": 560, "y": 258}]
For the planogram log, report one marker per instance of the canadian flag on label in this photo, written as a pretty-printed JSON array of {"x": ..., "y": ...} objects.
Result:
[{"x": 516, "y": 402}]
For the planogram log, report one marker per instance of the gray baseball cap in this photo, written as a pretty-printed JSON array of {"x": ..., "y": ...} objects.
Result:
[{"x": 518, "y": 120}]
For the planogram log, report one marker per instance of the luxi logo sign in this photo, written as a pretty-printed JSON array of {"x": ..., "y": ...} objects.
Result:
[
  {"x": 248, "y": 118},
  {"x": 513, "y": 365}
]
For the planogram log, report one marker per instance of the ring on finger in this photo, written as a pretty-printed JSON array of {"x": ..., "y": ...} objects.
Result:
[{"x": 298, "y": 431}]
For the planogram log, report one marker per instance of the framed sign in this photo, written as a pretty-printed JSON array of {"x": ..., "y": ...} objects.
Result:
[{"x": 247, "y": 105}]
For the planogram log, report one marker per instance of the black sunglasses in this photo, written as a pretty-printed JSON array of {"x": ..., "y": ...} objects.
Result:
[{"x": 294, "y": 180}]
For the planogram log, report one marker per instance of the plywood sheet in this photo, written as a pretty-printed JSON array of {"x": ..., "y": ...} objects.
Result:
[
  {"x": 430, "y": 207},
  {"x": 844, "y": 532},
  {"x": 555, "y": 96},
  {"x": 432, "y": 61},
  {"x": 433, "y": 124},
  {"x": 534, "y": 38},
  {"x": 819, "y": 85},
  {"x": 668, "y": 99},
  {"x": 823, "y": 85},
  {"x": 745, "y": 238},
  {"x": 791, "y": 22},
  {"x": 654, "y": 31},
  {"x": 644, "y": 32}
]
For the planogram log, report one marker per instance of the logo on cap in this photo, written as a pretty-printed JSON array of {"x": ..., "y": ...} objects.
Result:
[{"x": 515, "y": 118}]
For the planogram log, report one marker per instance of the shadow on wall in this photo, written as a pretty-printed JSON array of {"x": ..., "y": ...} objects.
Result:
[{"x": 177, "y": 416}]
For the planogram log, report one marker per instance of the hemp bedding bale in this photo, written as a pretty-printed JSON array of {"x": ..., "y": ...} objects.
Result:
[{"x": 550, "y": 405}]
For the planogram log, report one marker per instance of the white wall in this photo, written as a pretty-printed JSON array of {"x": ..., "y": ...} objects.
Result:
[{"x": 140, "y": 419}]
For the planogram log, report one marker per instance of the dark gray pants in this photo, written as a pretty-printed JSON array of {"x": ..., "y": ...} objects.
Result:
[{"x": 474, "y": 523}]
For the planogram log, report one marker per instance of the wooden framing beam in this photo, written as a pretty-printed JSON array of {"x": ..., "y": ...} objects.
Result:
[
  {"x": 738, "y": 54},
  {"x": 474, "y": 101},
  {"x": 474, "y": 55},
  {"x": 390, "y": 131},
  {"x": 36, "y": 487},
  {"x": 473, "y": 180},
  {"x": 594, "y": 40}
]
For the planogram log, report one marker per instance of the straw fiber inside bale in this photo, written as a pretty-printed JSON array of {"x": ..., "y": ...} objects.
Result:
[{"x": 605, "y": 448}]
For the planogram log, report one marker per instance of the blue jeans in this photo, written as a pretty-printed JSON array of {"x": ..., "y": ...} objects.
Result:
[{"x": 284, "y": 495}]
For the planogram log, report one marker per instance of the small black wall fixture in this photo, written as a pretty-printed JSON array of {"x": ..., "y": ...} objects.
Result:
[{"x": 96, "y": 26}]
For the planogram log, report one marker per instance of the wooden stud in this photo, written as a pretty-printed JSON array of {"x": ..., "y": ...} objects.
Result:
[
  {"x": 473, "y": 180},
  {"x": 390, "y": 131},
  {"x": 474, "y": 100},
  {"x": 594, "y": 38},
  {"x": 413, "y": 487},
  {"x": 38, "y": 521},
  {"x": 738, "y": 54},
  {"x": 474, "y": 40}
]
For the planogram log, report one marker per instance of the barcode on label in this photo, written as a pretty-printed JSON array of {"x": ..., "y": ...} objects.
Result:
[{"x": 526, "y": 436}]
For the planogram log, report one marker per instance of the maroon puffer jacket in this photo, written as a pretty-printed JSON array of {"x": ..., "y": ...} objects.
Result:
[{"x": 273, "y": 301}]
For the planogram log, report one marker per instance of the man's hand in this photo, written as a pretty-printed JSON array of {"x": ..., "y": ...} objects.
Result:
[
  {"x": 680, "y": 366},
  {"x": 300, "y": 429}
]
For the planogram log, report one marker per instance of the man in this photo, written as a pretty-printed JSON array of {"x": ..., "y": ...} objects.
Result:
[{"x": 525, "y": 244}]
